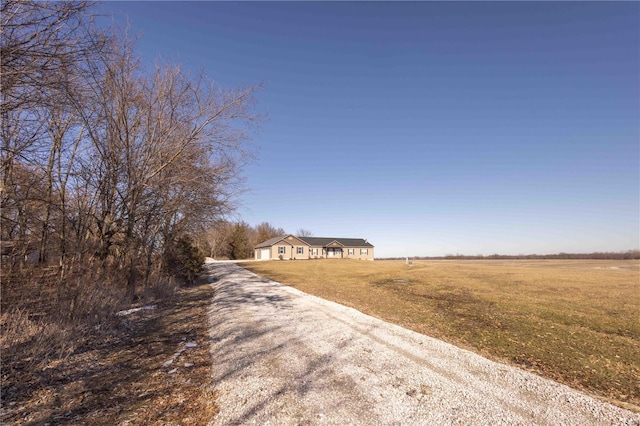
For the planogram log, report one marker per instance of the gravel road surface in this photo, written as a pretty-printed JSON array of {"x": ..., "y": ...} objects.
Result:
[{"x": 283, "y": 357}]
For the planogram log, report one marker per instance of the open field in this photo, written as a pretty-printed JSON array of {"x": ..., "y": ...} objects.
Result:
[{"x": 575, "y": 321}]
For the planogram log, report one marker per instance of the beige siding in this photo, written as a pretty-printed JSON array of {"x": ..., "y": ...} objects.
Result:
[
  {"x": 357, "y": 254},
  {"x": 304, "y": 249},
  {"x": 345, "y": 253},
  {"x": 281, "y": 249},
  {"x": 289, "y": 251},
  {"x": 318, "y": 254},
  {"x": 294, "y": 248}
]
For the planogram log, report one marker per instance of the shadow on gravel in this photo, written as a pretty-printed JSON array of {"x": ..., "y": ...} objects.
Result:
[
  {"x": 237, "y": 344},
  {"x": 265, "y": 367},
  {"x": 236, "y": 297}
]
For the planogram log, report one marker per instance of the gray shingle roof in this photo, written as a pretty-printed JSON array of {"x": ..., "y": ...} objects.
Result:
[
  {"x": 347, "y": 242},
  {"x": 270, "y": 241},
  {"x": 320, "y": 241}
]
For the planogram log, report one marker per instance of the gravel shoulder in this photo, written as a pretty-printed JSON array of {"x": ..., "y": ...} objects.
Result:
[{"x": 281, "y": 356}]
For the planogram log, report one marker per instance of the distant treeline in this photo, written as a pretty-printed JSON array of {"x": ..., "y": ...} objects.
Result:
[{"x": 625, "y": 255}]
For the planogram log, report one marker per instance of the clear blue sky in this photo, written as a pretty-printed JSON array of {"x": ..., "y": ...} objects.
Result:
[{"x": 429, "y": 128}]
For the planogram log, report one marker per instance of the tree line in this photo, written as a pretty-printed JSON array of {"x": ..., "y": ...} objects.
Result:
[
  {"x": 236, "y": 240},
  {"x": 622, "y": 255},
  {"x": 105, "y": 162}
]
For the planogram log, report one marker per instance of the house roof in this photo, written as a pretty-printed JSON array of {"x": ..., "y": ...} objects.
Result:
[
  {"x": 271, "y": 241},
  {"x": 319, "y": 241},
  {"x": 346, "y": 242}
]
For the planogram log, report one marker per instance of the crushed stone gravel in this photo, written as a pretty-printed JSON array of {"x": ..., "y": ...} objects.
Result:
[{"x": 282, "y": 357}]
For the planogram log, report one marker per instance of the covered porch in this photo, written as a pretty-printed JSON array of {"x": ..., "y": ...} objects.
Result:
[{"x": 334, "y": 250}]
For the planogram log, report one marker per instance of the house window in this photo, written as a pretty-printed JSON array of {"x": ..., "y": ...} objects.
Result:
[
  {"x": 299, "y": 250},
  {"x": 364, "y": 251},
  {"x": 352, "y": 251},
  {"x": 314, "y": 251},
  {"x": 282, "y": 249}
]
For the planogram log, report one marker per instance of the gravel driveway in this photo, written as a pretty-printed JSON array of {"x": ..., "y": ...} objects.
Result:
[{"x": 284, "y": 357}]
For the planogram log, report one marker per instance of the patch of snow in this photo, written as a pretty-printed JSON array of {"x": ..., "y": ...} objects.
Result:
[
  {"x": 178, "y": 353},
  {"x": 133, "y": 310}
]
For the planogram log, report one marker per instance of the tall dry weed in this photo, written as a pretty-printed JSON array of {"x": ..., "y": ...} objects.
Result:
[
  {"x": 28, "y": 342},
  {"x": 45, "y": 317},
  {"x": 160, "y": 288}
]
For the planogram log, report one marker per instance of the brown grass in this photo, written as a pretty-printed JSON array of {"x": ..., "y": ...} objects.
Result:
[
  {"x": 575, "y": 321},
  {"x": 66, "y": 359}
]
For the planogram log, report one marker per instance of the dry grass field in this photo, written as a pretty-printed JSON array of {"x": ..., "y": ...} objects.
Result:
[{"x": 575, "y": 321}]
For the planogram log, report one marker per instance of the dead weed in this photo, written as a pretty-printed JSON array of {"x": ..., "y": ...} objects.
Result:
[{"x": 116, "y": 374}]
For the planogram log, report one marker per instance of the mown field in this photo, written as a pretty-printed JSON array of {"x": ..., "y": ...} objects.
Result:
[{"x": 575, "y": 321}]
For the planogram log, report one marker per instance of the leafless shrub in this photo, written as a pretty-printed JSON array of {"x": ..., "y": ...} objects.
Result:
[
  {"x": 161, "y": 288},
  {"x": 29, "y": 341},
  {"x": 43, "y": 319}
]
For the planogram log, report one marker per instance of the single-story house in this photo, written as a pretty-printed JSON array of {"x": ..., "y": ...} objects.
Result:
[{"x": 292, "y": 247}]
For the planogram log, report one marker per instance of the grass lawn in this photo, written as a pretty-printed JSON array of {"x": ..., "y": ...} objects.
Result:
[{"x": 575, "y": 321}]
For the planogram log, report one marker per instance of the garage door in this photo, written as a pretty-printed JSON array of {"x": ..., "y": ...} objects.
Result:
[{"x": 264, "y": 254}]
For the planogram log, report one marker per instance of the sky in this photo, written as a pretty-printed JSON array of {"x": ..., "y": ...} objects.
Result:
[{"x": 427, "y": 128}]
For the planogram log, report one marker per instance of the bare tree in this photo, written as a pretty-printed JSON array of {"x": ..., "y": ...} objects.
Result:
[
  {"x": 103, "y": 158},
  {"x": 168, "y": 151},
  {"x": 265, "y": 231},
  {"x": 218, "y": 238},
  {"x": 40, "y": 38},
  {"x": 42, "y": 43},
  {"x": 304, "y": 233},
  {"x": 43, "y": 47}
]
